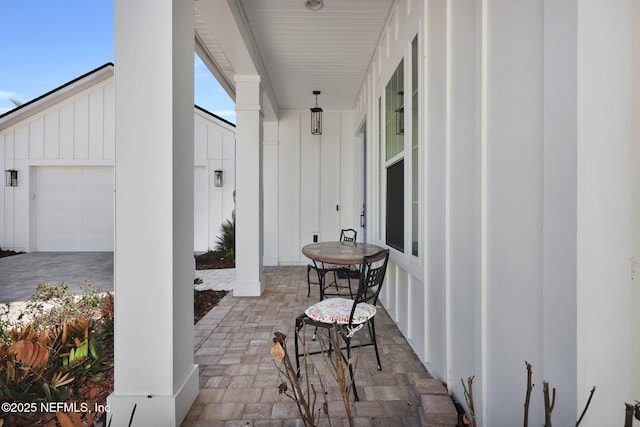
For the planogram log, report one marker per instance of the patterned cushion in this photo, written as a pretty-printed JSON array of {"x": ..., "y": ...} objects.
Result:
[{"x": 338, "y": 310}]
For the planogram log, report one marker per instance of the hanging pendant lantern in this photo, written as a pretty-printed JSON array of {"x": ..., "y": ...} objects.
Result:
[{"x": 316, "y": 117}]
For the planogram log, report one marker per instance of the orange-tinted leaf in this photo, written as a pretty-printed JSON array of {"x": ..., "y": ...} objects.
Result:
[
  {"x": 277, "y": 352},
  {"x": 64, "y": 419}
]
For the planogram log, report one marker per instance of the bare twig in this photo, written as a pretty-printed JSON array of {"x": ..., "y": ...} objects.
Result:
[
  {"x": 338, "y": 368},
  {"x": 527, "y": 399},
  {"x": 548, "y": 404},
  {"x": 295, "y": 392},
  {"x": 584, "y": 411},
  {"x": 468, "y": 396}
]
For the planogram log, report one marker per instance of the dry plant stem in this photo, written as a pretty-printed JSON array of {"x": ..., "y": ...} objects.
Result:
[
  {"x": 527, "y": 399},
  {"x": 290, "y": 373},
  {"x": 342, "y": 374},
  {"x": 548, "y": 404},
  {"x": 325, "y": 405},
  {"x": 468, "y": 396},
  {"x": 584, "y": 411},
  {"x": 307, "y": 360},
  {"x": 307, "y": 412},
  {"x": 301, "y": 402},
  {"x": 339, "y": 371}
]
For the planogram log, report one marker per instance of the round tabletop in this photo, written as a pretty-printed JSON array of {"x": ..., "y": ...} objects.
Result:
[{"x": 342, "y": 253}]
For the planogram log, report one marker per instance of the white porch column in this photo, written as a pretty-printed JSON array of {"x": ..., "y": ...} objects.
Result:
[
  {"x": 154, "y": 262},
  {"x": 249, "y": 204}
]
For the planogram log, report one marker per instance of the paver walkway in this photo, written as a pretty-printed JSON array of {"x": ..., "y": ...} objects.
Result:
[{"x": 239, "y": 379}]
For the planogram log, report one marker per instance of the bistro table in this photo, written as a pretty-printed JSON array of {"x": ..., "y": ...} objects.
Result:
[
  {"x": 338, "y": 254},
  {"x": 341, "y": 253}
]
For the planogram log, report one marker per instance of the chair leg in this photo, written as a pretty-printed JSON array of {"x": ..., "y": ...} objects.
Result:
[
  {"x": 372, "y": 332},
  {"x": 351, "y": 373},
  {"x": 298, "y": 328},
  {"x": 348, "y": 271}
]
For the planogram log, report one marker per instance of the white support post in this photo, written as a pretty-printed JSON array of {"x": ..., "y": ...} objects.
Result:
[
  {"x": 154, "y": 264},
  {"x": 249, "y": 204}
]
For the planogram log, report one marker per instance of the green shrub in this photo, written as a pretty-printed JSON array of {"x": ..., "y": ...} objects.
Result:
[{"x": 227, "y": 240}]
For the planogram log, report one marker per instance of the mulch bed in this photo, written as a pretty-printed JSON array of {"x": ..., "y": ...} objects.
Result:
[
  {"x": 95, "y": 392},
  {"x": 8, "y": 253},
  {"x": 213, "y": 260},
  {"x": 204, "y": 301}
]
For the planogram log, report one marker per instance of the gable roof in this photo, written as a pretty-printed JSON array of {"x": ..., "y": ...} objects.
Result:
[
  {"x": 56, "y": 95},
  {"x": 68, "y": 90}
]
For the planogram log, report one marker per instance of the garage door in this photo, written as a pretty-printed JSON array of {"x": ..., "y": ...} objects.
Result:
[{"x": 74, "y": 209}]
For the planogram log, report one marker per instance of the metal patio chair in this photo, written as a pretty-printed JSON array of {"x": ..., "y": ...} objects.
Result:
[
  {"x": 348, "y": 315},
  {"x": 323, "y": 270}
]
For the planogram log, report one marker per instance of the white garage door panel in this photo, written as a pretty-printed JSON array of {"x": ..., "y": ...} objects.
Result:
[
  {"x": 97, "y": 199},
  {"x": 59, "y": 198},
  {"x": 74, "y": 209}
]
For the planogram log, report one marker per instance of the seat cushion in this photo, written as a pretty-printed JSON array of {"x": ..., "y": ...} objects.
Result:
[{"x": 338, "y": 310}]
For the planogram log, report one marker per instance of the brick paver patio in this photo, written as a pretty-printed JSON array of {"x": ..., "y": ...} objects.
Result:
[{"x": 238, "y": 377}]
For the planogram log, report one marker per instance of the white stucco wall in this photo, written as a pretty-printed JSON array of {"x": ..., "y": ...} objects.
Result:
[{"x": 78, "y": 131}]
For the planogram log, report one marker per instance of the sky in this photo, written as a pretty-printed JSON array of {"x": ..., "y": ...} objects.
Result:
[{"x": 45, "y": 44}]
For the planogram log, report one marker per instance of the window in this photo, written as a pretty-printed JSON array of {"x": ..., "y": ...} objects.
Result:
[
  {"x": 399, "y": 111},
  {"x": 415, "y": 173},
  {"x": 394, "y": 117},
  {"x": 395, "y": 206},
  {"x": 394, "y": 150}
]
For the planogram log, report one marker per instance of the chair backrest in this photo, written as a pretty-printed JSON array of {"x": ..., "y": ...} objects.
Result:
[
  {"x": 372, "y": 272},
  {"x": 348, "y": 235}
]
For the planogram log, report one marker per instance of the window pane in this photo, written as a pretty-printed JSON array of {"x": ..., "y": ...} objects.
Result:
[
  {"x": 380, "y": 151},
  {"x": 415, "y": 219},
  {"x": 394, "y": 113},
  {"x": 395, "y": 206}
]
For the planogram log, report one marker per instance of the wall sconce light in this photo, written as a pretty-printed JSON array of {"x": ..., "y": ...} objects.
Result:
[
  {"x": 11, "y": 178},
  {"x": 316, "y": 117},
  {"x": 400, "y": 115},
  {"x": 218, "y": 178}
]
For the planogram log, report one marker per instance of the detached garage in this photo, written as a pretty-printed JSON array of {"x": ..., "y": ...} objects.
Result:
[{"x": 61, "y": 146}]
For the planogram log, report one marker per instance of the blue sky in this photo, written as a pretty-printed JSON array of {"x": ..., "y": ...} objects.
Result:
[{"x": 45, "y": 44}]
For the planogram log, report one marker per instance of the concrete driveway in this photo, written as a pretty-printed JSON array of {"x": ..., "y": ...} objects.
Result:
[{"x": 21, "y": 274}]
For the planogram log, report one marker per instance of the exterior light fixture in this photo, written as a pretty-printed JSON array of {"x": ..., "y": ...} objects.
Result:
[
  {"x": 314, "y": 4},
  {"x": 217, "y": 178},
  {"x": 11, "y": 178},
  {"x": 316, "y": 117},
  {"x": 400, "y": 115}
]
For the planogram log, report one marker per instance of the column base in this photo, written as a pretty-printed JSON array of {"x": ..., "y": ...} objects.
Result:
[
  {"x": 247, "y": 289},
  {"x": 155, "y": 410}
]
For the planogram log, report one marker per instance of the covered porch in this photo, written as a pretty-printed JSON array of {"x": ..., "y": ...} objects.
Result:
[
  {"x": 489, "y": 144},
  {"x": 239, "y": 379}
]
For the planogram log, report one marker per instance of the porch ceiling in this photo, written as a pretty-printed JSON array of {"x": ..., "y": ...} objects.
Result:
[{"x": 296, "y": 50}]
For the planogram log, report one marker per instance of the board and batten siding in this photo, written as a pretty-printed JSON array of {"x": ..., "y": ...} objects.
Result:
[
  {"x": 315, "y": 178},
  {"x": 77, "y": 131},
  {"x": 529, "y": 200},
  {"x": 75, "y": 136}
]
